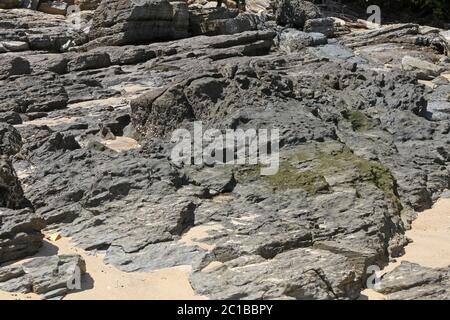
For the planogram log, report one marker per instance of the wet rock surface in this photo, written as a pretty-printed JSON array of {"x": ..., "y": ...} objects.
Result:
[{"x": 363, "y": 145}]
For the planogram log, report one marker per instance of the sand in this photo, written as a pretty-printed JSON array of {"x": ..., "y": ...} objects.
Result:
[
  {"x": 105, "y": 282},
  {"x": 430, "y": 235},
  {"x": 121, "y": 144},
  {"x": 430, "y": 247},
  {"x": 196, "y": 234}
]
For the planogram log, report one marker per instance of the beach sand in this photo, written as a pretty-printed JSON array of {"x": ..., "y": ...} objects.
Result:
[
  {"x": 430, "y": 247},
  {"x": 105, "y": 282},
  {"x": 430, "y": 234}
]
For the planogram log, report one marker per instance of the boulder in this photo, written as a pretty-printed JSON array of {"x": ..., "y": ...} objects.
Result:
[
  {"x": 314, "y": 274},
  {"x": 20, "y": 233},
  {"x": 10, "y": 117},
  {"x": 86, "y": 61},
  {"x": 423, "y": 70},
  {"x": 292, "y": 40},
  {"x": 87, "y": 4},
  {"x": 15, "y": 45},
  {"x": 120, "y": 22},
  {"x": 10, "y": 140},
  {"x": 12, "y": 66},
  {"x": 411, "y": 281},
  {"x": 39, "y": 30},
  {"x": 321, "y": 25},
  {"x": 294, "y": 13},
  {"x": 29, "y": 94},
  {"x": 11, "y": 195},
  {"x": 51, "y": 277},
  {"x": 53, "y": 7},
  {"x": 215, "y": 21}
]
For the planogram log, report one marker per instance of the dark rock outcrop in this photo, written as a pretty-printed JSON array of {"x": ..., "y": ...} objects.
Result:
[
  {"x": 362, "y": 146},
  {"x": 121, "y": 22},
  {"x": 294, "y": 13}
]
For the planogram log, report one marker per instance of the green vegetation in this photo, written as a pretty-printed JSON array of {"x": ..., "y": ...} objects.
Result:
[
  {"x": 308, "y": 167},
  {"x": 359, "y": 121},
  {"x": 440, "y": 8}
]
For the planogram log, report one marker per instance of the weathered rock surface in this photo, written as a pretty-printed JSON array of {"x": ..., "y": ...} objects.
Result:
[
  {"x": 87, "y": 4},
  {"x": 363, "y": 146},
  {"x": 19, "y": 226},
  {"x": 20, "y": 234},
  {"x": 294, "y": 13},
  {"x": 320, "y": 25},
  {"x": 292, "y": 40},
  {"x": 36, "y": 30},
  {"x": 12, "y": 66},
  {"x": 121, "y": 22},
  {"x": 53, "y": 7},
  {"x": 52, "y": 277},
  {"x": 10, "y": 140},
  {"x": 295, "y": 274},
  {"x": 410, "y": 281}
]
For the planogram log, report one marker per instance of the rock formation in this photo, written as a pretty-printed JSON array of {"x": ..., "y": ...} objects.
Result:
[{"x": 363, "y": 122}]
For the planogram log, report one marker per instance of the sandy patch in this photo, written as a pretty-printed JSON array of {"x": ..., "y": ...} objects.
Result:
[
  {"x": 428, "y": 83},
  {"x": 18, "y": 296},
  {"x": 121, "y": 144},
  {"x": 51, "y": 122},
  {"x": 105, "y": 282},
  {"x": 113, "y": 101},
  {"x": 430, "y": 247},
  {"x": 194, "y": 236},
  {"x": 370, "y": 294},
  {"x": 430, "y": 234}
]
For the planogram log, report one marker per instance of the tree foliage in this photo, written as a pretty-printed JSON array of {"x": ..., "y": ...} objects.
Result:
[{"x": 440, "y": 8}]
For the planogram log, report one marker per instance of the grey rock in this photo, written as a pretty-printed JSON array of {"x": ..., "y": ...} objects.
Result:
[
  {"x": 11, "y": 191},
  {"x": 294, "y": 13},
  {"x": 320, "y": 25},
  {"x": 43, "y": 92},
  {"x": 20, "y": 232},
  {"x": 53, "y": 7},
  {"x": 153, "y": 21},
  {"x": 358, "y": 153},
  {"x": 12, "y": 66},
  {"x": 87, "y": 61},
  {"x": 216, "y": 21},
  {"x": 38, "y": 30},
  {"x": 10, "y": 117},
  {"x": 411, "y": 281},
  {"x": 296, "y": 274},
  {"x": 10, "y": 140},
  {"x": 15, "y": 45},
  {"x": 291, "y": 40},
  {"x": 423, "y": 69},
  {"x": 51, "y": 277}
]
